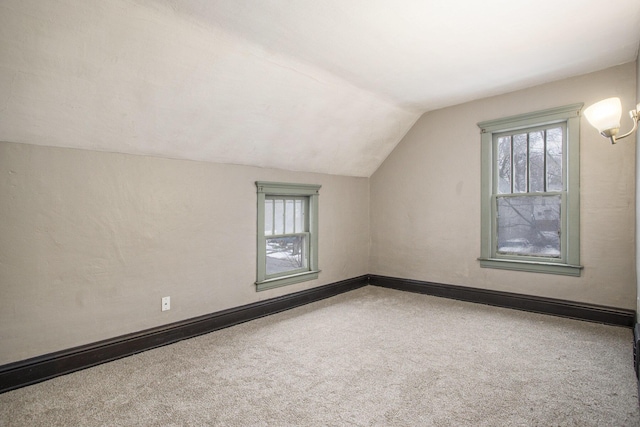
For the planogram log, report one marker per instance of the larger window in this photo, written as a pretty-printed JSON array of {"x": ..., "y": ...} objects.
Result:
[
  {"x": 530, "y": 192},
  {"x": 287, "y": 234}
]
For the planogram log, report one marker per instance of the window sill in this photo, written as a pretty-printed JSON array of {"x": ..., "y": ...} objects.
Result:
[
  {"x": 531, "y": 266},
  {"x": 286, "y": 280}
]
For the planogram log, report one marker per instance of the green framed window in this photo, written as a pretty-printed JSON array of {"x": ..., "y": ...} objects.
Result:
[
  {"x": 530, "y": 192},
  {"x": 287, "y": 234}
]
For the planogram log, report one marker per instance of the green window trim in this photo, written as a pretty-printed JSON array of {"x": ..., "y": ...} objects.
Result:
[
  {"x": 308, "y": 192},
  {"x": 569, "y": 261}
]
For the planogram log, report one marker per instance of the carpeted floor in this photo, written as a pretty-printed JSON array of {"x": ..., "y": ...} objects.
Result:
[{"x": 370, "y": 357}]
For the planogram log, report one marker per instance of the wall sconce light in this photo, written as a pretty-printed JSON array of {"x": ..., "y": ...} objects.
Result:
[{"x": 605, "y": 116}]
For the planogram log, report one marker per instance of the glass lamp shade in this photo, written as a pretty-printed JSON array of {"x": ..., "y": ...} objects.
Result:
[{"x": 605, "y": 115}]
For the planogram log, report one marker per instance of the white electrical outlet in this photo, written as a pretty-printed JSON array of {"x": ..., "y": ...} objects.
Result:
[{"x": 166, "y": 303}]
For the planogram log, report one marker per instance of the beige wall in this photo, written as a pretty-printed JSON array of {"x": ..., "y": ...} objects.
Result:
[
  {"x": 91, "y": 241},
  {"x": 425, "y": 198}
]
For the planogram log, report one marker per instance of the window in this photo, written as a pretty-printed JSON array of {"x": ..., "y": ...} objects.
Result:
[
  {"x": 287, "y": 234},
  {"x": 530, "y": 192}
]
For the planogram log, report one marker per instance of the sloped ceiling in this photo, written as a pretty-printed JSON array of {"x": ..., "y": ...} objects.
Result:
[{"x": 325, "y": 86}]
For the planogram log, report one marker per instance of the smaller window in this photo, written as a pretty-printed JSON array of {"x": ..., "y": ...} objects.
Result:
[{"x": 287, "y": 234}]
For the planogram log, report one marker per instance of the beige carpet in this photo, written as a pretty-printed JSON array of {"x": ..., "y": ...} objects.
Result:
[{"x": 371, "y": 357}]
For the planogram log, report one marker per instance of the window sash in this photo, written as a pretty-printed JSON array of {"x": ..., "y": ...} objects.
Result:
[
  {"x": 496, "y": 137},
  {"x": 299, "y": 218},
  {"x": 305, "y": 255},
  {"x": 561, "y": 259}
]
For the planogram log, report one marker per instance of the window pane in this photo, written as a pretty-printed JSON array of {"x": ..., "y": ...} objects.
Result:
[
  {"x": 520, "y": 163},
  {"x": 268, "y": 217},
  {"x": 504, "y": 165},
  {"x": 554, "y": 159},
  {"x": 279, "y": 216},
  {"x": 288, "y": 223},
  {"x": 536, "y": 161},
  {"x": 529, "y": 225},
  {"x": 286, "y": 254},
  {"x": 299, "y": 219}
]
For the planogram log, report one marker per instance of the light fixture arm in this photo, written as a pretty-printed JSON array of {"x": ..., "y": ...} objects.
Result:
[{"x": 634, "y": 114}]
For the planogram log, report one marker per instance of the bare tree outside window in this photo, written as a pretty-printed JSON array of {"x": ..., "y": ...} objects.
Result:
[{"x": 529, "y": 226}]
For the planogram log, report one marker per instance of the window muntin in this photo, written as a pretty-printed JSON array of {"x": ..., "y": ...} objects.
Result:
[
  {"x": 530, "y": 192},
  {"x": 287, "y": 234}
]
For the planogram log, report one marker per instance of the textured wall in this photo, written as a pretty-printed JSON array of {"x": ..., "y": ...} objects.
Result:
[
  {"x": 425, "y": 198},
  {"x": 91, "y": 242}
]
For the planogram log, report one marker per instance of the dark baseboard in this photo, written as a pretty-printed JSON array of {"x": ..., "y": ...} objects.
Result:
[
  {"x": 41, "y": 368},
  {"x": 574, "y": 310},
  {"x": 636, "y": 351},
  {"x": 636, "y": 355}
]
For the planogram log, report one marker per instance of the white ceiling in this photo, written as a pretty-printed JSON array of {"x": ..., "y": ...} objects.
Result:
[{"x": 325, "y": 86}]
